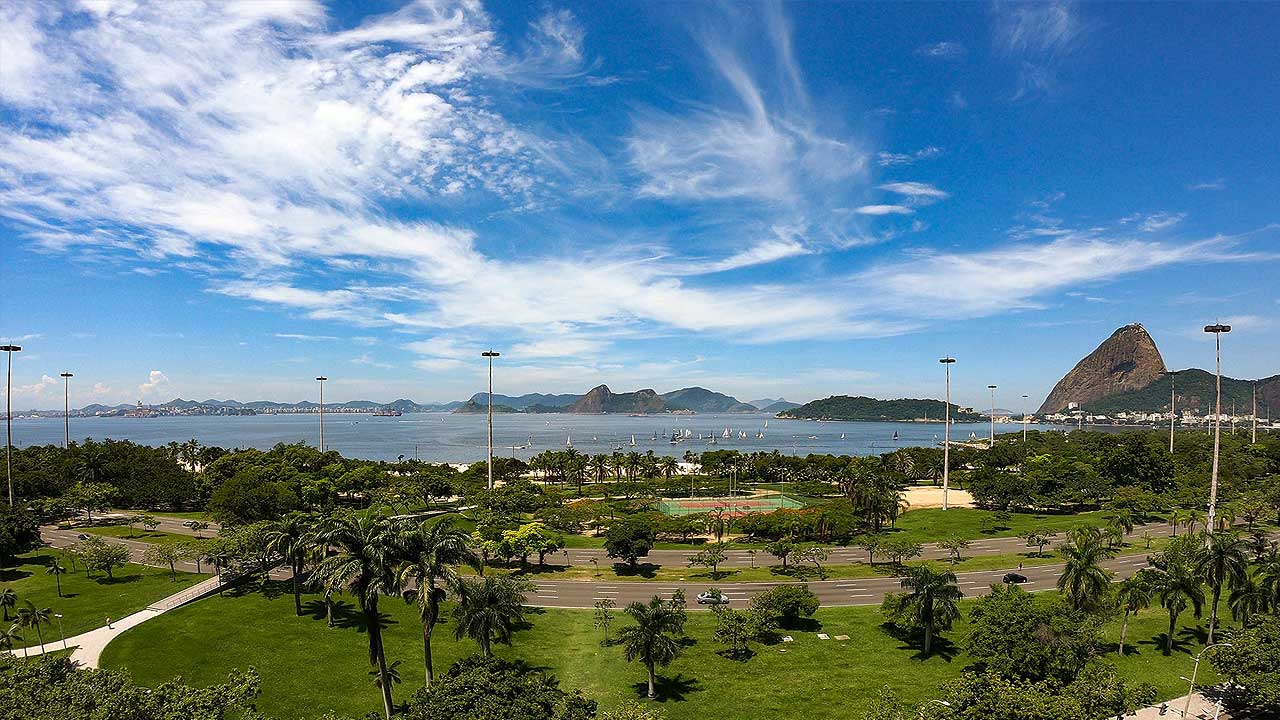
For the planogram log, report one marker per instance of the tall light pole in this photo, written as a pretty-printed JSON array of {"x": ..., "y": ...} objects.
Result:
[
  {"x": 1173, "y": 399},
  {"x": 947, "y": 362},
  {"x": 1186, "y": 710},
  {"x": 321, "y": 380},
  {"x": 992, "y": 442},
  {"x": 1254, "y": 415},
  {"x": 66, "y": 408},
  {"x": 8, "y": 417},
  {"x": 490, "y": 355},
  {"x": 1024, "y": 417},
  {"x": 1217, "y": 330}
]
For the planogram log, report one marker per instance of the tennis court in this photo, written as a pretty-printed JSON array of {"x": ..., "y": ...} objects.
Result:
[{"x": 733, "y": 505}]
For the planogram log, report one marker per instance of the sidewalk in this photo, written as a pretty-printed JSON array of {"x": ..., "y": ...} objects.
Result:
[
  {"x": 89, "y": 645},
  {"x": 1202, "y": 708}
]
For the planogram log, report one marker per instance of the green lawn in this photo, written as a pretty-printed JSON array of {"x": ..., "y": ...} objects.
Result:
[
  {"x": 934, "y": 524},
  {"x": 141, "y": 534},
  {"x": 808, "y": 678},
  {"x": 87, "y": 602}
]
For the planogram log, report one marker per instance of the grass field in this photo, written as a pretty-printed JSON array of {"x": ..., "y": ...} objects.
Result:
[
  {"x": 87, "y": 602},
  {"x": 158, "y": 537},
  {"x": 808, "y": 678}
]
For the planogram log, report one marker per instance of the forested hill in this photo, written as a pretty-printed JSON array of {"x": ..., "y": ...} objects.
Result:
[
  {"x": 1195, "y": 389},
  {"x": 845, "y": 407}
]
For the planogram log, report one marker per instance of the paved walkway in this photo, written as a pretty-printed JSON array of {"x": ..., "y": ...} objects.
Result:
[{"x": 89, "y": 645}]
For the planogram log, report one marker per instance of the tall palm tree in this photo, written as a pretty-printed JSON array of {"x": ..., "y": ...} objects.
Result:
[
  {"x": 652, "y": 639},
  {"x": 290, "y": 536},
  {"x": 1225, "y": 559},
  {"x": 669, "y": 466},
  {"x": 30, "y": 616},
  {"x": 433, "y": 551},
  {"x": 1083, "y": 581},
  {"x": 1133, "y": 595},
  {"x": 10, "y": 637},
  {"x": 57, "y": 571},
  {"x": 364, "y": 564},
  {"x": 488, "y": 609},
  {"x": 1248, "y": 598},
  {"x": 933, "y": 600},
  {"x": 8, "y": 600},
  {"x": 1178, "y": 585}
]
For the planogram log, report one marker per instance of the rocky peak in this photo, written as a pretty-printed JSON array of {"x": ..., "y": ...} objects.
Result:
[{"x": 1128, "y": 360}]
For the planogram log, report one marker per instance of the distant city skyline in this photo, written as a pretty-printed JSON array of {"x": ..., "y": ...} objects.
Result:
[{"x": 764, "y": 200}]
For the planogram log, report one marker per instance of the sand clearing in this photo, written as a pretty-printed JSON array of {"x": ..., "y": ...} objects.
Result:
[{"x": 929, "y": 497}]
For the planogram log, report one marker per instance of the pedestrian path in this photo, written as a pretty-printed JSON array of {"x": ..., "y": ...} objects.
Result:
[{"x": 89, "y": 645}]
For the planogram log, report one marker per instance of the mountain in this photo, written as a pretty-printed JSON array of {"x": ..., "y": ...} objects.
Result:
[
  {"x": 1195, "y": 390},
  {"x": 778, "y": 406},
  {"x": 700, "y": 399},
  {"x": 763, "y": 403},
  {"x": 844, "y": 407},
  {"x": 524, "y": 402},
  {"x": 1128, "y": 360},
  {"x": 472, "y": 407},
  {"x": 601, "y": 400}
]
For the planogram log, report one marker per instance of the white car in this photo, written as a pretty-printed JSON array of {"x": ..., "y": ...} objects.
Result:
[{"x": 709, "y": 597}]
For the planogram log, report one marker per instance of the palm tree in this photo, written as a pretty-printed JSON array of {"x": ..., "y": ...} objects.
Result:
[
  {"x": 1248, "y": 598},
  {"x": 488, "y": 609},
  {"x": 669, "y": 466},
  {"x": 933, "y": 601},
  {"x": 366, "y": 546},
  {"x": 30, "y": 616},
  {"x": 8, "y": 600},
  {"x": 1225, "y": 559},
  {"x": 433, "y": 549},
  {"x": 1177, "y": 583},
  {"x": 653, "y": 638},
  {"x": 290, "y": 536},
  {"x": 1083, "y": 580},
  {"x": 1133, "y": 595},
  {"x": 56, "y": 570},
  {"x": 10, "y": 637}
]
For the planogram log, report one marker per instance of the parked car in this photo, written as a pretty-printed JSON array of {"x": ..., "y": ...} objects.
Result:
[
  {"x": 1014, "y": 578},
  {"x": 712, "y": 597}
]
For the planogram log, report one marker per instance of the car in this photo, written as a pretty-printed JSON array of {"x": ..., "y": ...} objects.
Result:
[
  {"x": 1013, "y": 578},
  {"x": 82, "y": 537},
  {"x": 712, "y": 597}
]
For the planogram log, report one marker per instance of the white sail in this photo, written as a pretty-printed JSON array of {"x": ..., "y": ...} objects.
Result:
[
  {"x": 841, "y": 436},
  {"x": 633, "y": 439},
  {"x": 726, "y": 433},
  {"x": 569, "y": 441},
  {"x": 766, "y": 423}
]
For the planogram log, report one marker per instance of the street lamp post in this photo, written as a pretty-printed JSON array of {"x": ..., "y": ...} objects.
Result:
[
  {"x": 66, "y": 408},
  {"x": 61, "y": 634},
  {"x": 947, "y": 362},
  {"x": 1024, "y": 417},
  {"x": 1217, "y": 330},
  {"x": 1253, "y": 417},
  {"x": 490, "y": 355},
  {"x": 1186, "y": 710},
  {"x": 1173, "y": 398},
  {"x": 321, "y": 380},
  {"x": 992, "y": 442},
  {"x": 8, "y": 417}
]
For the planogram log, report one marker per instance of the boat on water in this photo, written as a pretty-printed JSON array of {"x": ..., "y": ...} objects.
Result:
[
  {"x": 766, "y": 423},
  {"x": 759, "y": 434},
  {"x": 633, "y": 441},
  {"x": 726, "y": 433},
  {"x": 841, "y": 436},
  {"x": 654, "y": 438},
  {"x": 568, "y": 441}
]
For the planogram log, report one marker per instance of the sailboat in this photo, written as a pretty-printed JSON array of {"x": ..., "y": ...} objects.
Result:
[
  {"x": 726, "y": 433},
  {"x": 569, "y": 441},
  {"x": 895, "y": 436},
  {"x": 841, "y": 436},
  {"x": 766, "y": 423},
  {"x": 654, "y": 438},
  {"x": 759, "y": 434},
  {"x": 633, "y": 441}
]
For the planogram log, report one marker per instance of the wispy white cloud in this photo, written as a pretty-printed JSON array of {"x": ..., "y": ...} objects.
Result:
[
  {"x": 306, "y": 338},
  {"x": 1218, "y": 184},
  {"x": 883, "y": 210},
  {"x": 941, "y": 49},
  {"x": 888, "y": 159},
  {"x": 917, "y": 192},
  {"x": 1038, "y": 38}
]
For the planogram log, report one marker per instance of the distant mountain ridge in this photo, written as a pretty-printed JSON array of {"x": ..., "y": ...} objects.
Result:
[
  {"x": 1195, "y": 393},
  {"x": 845, "y": 407}
]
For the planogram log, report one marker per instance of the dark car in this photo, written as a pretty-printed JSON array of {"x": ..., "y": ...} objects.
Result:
[{"x": 1014, "y": 578}]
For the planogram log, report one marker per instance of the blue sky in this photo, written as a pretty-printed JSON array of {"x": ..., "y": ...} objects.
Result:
[{"x": 225, "y": 200}]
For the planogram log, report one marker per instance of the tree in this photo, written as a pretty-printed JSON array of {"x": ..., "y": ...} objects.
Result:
[
  {"x": 1083, "y": 582},
  {"x": 8, "y": 600},
  {"x": 434, "y": 551},
  {"x": 900, "y": 551},
  {"x": 817, "y": 555},
  {"x": 98, "y": 554},
  {"x": 630, "y": 539},
  {"x": 1133, "y": 595},
  {"x": 787, "y": 602},
  {"x": 532, "y": 538},
  {"x": 1225, "y": 560},
  {"x": 291, "y": 538},
  {"x": 19, "y": 532},
  {"x": 739, "y": 628},
  {"x": 10, "y": 637},
  {"x": 1020, "y": 635},
  {"x": 932, "y": 603},
  {"x": 489, "y": 609},
  {"x": 1098, "y": 693},
  {"x": 198, "y": 526},
  {"x": 57, "y": 571},
  {"x": 1038, "y": 539},
  {"x": 364, "y": 564},
  {"x": 1252, "y": 664},
  {"x": 90, "y": 496},
  {"x": 1178, "y": 584},
  {"x": 872, "y": 544},
  {"x": 1248, "y": 598},
  {"x": 165, "y": 554},
  {"x": 30, "y": 616},
  {"x": 604, "y": 616},
  {"x": 954, "y": 546},
  {"x": 652, "y": 639},
  {"x": 497, "y": 689},
  {"x": 781, "y": 549},
  {"x": 710, "y": 556}
]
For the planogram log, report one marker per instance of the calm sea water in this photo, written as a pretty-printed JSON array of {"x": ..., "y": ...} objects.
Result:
[{"x": 461, "y": 438}]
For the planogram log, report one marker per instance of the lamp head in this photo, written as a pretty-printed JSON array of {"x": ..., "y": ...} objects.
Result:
[
  {"x": 1217, "y": 328},
  {"x": 947, "y": 360},
  {"x": 322, "y": 378},
  {"x": 67, "y": 375},
  {"x": 991, "y": 387},
  {"x": 10, "y": 348},
  {"x": 490, "y": 354}
]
